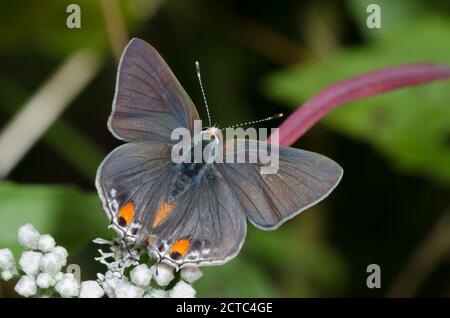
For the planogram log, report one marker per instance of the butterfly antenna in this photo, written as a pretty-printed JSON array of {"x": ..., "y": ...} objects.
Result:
[
  {"x": 199, "y": 76},
  {"x": 279, "y": 115}
]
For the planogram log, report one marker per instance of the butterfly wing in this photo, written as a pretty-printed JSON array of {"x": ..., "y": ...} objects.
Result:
[
  {"x": 203, "y": 225},
  {"x": 149, "y": 101},
  {"x": 206, "y": 225},
  {"x": 303, "y": 179},
  {"x": 131, "y": 181}
]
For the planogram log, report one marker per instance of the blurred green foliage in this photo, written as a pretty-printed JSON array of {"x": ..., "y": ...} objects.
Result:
[
  {"x": 290, "y": 257},
  {"x": 44, "y": 25},
  {"x": 59, "y": 134},
  {"x": 410, "y": 126},
  {"x": 51, "y": 209}
]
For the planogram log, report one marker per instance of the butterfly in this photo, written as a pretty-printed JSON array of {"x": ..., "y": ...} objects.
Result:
[{"x": 192, "y": 214}]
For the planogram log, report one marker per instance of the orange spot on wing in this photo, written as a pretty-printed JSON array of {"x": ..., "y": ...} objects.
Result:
[
  {"x": 149, "y": 240},
  {"x": 163, "y": 210},
  {"x": 180, "y": 246},
  {"x": 126, "y": 213}
]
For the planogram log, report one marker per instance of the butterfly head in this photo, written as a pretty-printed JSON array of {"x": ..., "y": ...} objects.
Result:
[{"x": 212, "y": 134}]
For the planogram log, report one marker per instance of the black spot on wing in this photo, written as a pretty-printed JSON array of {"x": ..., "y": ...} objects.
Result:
[
  {"x": 121, "y": 221},
  {"x": 175, "y": 255}
]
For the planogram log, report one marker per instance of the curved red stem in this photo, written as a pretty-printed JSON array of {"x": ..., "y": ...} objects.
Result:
[{"x": 368, "y": 84}]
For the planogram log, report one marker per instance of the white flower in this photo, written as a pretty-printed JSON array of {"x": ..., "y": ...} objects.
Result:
[
  {"x": 67, "y": 286},
  {"x": 29, "y": 262},
  {"x": 7, "y": 275},
  {"x": 51, "y": 263},
  {"x": 141, "y": 275},
  {"x": 62, "y": 252},
  {"x": 58, "y": 277},
  {"x": 46, "y": 243},
  {"x": 100, "y": 240},
  {"x": 91, "y": 289},
  {"x": 45, "y": 280},
  {"x": 163, "y": 274},
  {"x": 42, "y": 263},
  {"x": 109, "y": 282},
  {"x": 156, "y": 293},
  {"x": 119, "y": 257},
  {"x": 26, "y": 286},
  {"x": 127, "y": 290},
  {"x": 182, "y": 290},
  {"x": 28, "y": 236},
  {"x": 191, "y": 274},
  {"x": 6, "y": 259}
]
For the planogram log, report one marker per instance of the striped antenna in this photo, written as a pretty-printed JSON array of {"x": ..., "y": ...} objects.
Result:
[
  {"x": 256, "y": 121},
  {"x": 197, "y": 67}
]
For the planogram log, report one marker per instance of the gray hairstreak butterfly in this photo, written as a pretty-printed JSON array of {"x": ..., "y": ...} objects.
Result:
[{"x": 192, "y": 214}]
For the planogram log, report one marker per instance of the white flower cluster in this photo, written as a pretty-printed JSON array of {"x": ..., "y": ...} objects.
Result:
[
  {"x": 41, "y": 269},
  {"x": 41, "y": 265},
  {"x": 143, "y": 281}
]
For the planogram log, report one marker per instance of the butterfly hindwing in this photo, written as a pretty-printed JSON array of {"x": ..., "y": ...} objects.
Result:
[
  {"x": 206, "y": 224},
  {"x": 131, "y": 181},
  {"x": 303, "y": 179}
]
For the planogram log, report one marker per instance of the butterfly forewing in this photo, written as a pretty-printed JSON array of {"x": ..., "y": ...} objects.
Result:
[{"x": 149, "y": 101}]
